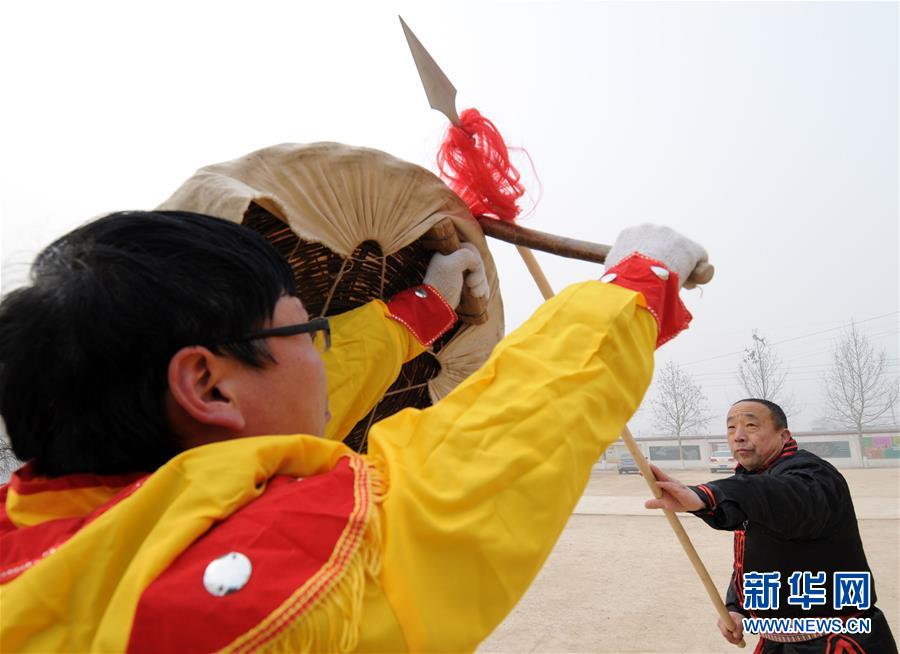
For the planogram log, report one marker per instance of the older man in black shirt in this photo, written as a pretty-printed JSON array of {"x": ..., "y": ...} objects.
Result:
[{"x": 797, "y": 549}]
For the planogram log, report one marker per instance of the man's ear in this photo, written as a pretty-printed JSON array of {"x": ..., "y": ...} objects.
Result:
[
  {"x": 785, "y": 435},
  {"x": 196, "y": 385}
]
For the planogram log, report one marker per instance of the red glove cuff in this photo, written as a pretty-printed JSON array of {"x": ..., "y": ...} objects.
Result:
[
  {"x": 659, "y": 286},
  {"x": 423, "y": 311}
]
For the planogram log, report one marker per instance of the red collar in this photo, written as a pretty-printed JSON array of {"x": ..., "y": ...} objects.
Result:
[{"x": 789, "y": 449}]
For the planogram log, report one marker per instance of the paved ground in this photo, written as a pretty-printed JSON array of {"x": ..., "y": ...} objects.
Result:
[{"x": 618, "y": 581}]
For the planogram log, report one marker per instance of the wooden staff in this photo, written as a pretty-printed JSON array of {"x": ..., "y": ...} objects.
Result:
[
  {"x": 538, "y": 275},
  {"x": 562, "y": 246},
  {"x": 680, "y": 533}
]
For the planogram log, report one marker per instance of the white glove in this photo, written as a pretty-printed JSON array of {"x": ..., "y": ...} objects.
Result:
[
  {"x": 678, "y": 253},
  {"x": 447, "y": 273}
]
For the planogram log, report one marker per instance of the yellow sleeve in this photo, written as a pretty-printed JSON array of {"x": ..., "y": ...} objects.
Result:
[
  {"x": 482, "y": 484},
  {"x": 368, "y": 348}
]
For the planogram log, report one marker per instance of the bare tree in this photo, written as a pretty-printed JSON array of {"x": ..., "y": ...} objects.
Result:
[
  {"x": 761, "y": 375},
  {"x": 679, "y": 406},
  {"x": 859, "y": 390}
]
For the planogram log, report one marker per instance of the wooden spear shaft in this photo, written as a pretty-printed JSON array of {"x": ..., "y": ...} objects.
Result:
[
  {"x": 537, "y": 273},
  {"x": 680, "y": 533},
  {"x": 540, "y": 279},
  {"x": 562, "y": 246}
]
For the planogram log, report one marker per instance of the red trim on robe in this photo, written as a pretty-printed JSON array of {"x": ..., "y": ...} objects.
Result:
[
  {"x": 20, "y": 548},
  {"x": 288, "y": 534},
  {"x": 661, "y": 295},
  {"x": 5, "y": 523},
  {"x": 427, "y": 318}
]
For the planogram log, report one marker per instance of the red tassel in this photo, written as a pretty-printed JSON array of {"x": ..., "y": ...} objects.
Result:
[{"x": 474, "y": 162}]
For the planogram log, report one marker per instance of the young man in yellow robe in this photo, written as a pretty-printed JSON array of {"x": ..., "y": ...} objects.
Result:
[{"x": 170, "y": 395}]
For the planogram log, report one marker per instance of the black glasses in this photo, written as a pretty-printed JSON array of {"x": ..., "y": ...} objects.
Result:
[{"x": 312, "y": 327}]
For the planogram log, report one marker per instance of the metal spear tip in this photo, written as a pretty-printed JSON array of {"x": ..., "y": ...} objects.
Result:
[{"x": 440, "y": 92}]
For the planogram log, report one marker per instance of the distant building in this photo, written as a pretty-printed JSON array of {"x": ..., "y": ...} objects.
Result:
[{"x": 880, "y": 448}]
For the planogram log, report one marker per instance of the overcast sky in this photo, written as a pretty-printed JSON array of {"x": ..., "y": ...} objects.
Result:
[{"x": 766, "y": 131}]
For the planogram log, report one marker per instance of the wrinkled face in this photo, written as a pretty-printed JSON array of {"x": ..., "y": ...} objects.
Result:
[
  {"x": 289, "y": 396},
  {"x": 752, "y": 435}
]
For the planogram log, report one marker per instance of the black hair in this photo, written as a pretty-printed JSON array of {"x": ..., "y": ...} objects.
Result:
[
  {"x": 778, "y": 416},
  {"x": 85, "y": 348}
]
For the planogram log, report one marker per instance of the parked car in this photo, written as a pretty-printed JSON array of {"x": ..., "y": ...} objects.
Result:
[
  {"x": 627, "y": 465},
  {"x": 722, "y": 461}
]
